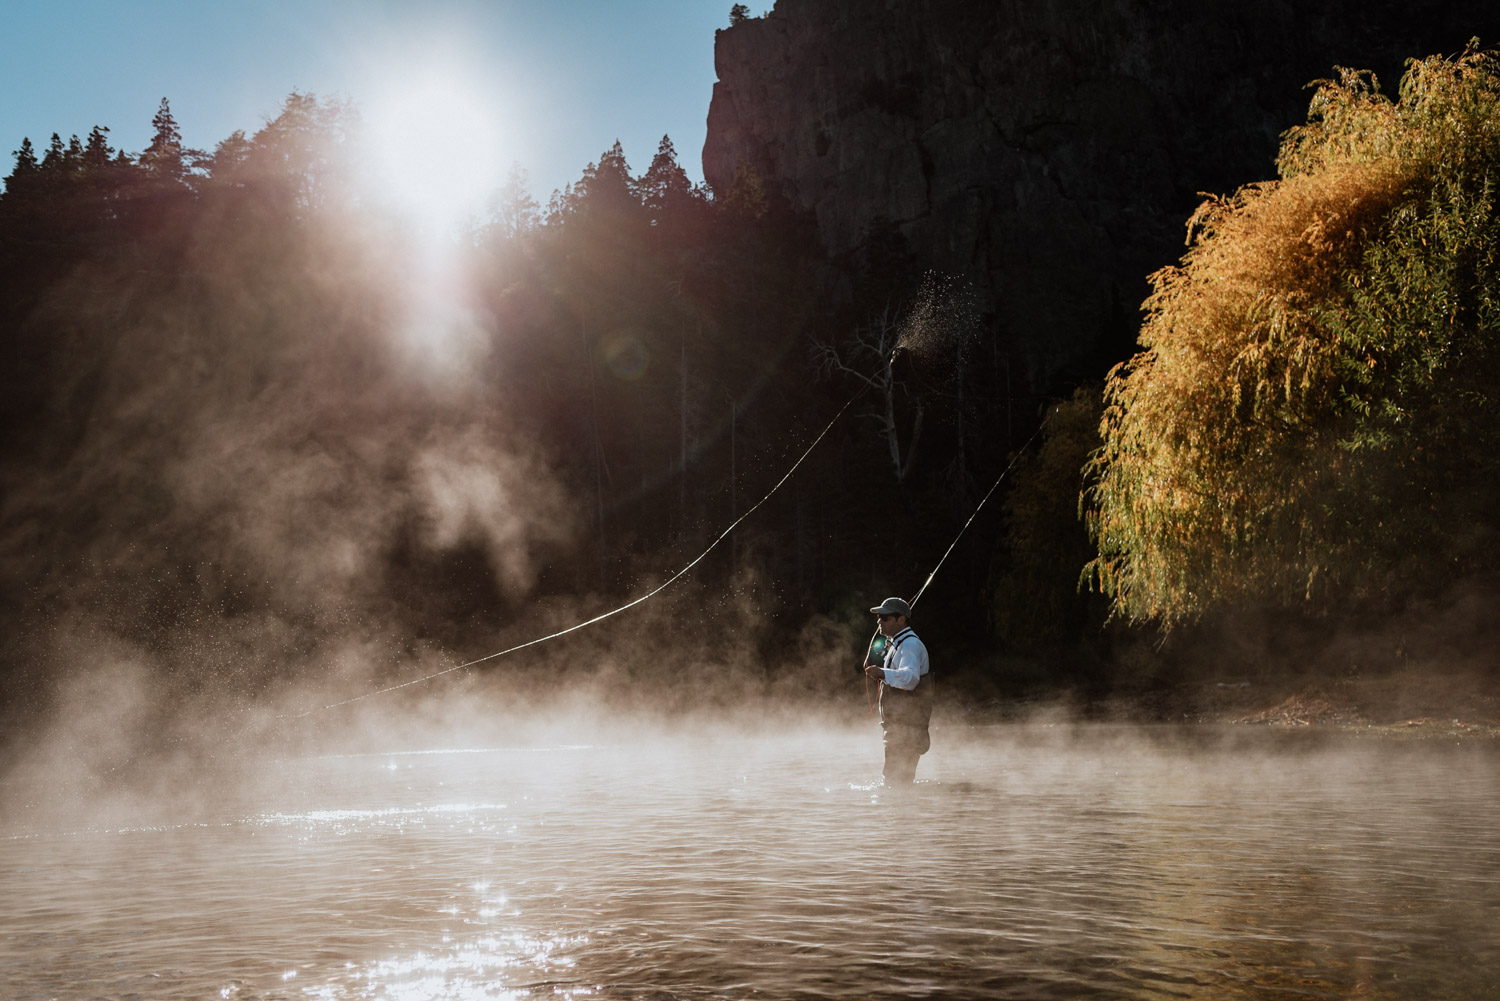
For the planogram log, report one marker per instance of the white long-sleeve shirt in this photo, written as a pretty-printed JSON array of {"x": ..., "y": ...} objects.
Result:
[{"x": 905, "y": 660}]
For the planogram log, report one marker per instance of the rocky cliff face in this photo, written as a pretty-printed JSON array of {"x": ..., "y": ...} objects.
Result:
[{"x": 1049, "y": 152}]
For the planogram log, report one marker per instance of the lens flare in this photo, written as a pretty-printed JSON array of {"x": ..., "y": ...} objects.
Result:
[{"x": 625, "y": 356}]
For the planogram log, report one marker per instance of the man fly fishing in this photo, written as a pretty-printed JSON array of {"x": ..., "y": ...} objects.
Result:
[{"x": 905, "y": 691}]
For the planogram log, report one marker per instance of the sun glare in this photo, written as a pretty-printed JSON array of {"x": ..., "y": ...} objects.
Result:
[{"x": 435, "y": 151}]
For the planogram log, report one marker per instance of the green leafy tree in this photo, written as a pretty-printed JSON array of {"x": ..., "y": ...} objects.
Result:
[
  {"x": 738, "y": 14},
  {"x": 1315, "y": 418}
]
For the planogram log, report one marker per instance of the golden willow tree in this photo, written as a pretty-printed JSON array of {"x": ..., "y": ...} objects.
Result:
[{"x": 1314, "y": 419}]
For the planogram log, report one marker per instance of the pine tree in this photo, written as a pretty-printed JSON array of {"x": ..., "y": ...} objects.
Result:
[
  {"x": 516, "y": 211},
  {"x": 26, "y": 169},
  {"x": 304, "y": 153},
  {"x": 561, "y": 204},
  {"x": 164, "y": 158},
  {"x": 607, "y": 187},
  {"x": 73, "y": 158},
  {"x": 229, "y": 157},
  {"x": 25, "y": 158},
  {"x": 55, "y": 157},
  {"x": 664, "y": 188},
  {"x": 97, "y": 153}
]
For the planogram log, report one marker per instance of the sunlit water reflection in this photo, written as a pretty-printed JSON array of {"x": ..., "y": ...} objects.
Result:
[{"x": 1030, "y": 863}]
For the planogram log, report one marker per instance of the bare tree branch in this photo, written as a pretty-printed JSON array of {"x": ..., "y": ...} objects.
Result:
[{"x": 866, "y": 357}]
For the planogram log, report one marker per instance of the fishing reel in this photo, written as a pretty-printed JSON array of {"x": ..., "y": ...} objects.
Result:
[{"x": 875, "y": 655}]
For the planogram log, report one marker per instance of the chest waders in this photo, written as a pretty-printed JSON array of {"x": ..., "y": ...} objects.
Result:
[{"x": 904, "y": 715}]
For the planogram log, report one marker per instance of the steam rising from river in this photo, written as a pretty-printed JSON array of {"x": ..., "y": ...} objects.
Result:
[
  {"x": 280, "y": 498},
  {"x": 1036, "y": 861}
]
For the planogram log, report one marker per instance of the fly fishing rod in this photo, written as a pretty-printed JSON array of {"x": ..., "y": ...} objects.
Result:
[
  {"x": 653, "y": 592},
  {"x": 866, "y": 384},
  {"x": 875, "y": 652}
]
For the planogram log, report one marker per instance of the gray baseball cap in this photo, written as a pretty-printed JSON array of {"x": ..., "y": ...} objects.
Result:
[{"x": 892, "y": 606}]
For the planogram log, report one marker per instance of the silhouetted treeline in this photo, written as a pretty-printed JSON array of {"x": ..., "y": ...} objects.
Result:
[{"x": 250, "y": 415}]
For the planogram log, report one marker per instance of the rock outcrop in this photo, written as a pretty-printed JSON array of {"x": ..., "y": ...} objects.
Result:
[{"x": 1048, "y": 152}]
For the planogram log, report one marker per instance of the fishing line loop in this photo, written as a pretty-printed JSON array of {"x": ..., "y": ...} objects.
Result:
[
  {"x": 611, "y": 613},
  {"x": 684, "y": 571}
]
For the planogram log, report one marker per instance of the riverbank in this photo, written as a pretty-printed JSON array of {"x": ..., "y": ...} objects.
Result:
[{"x": 1406, "y": 704}]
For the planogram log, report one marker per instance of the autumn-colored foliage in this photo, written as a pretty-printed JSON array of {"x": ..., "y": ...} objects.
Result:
[{"x": 1313, "y": 418}]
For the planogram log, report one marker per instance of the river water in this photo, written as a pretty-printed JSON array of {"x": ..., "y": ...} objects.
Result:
[{"x": 1028, "y": 862}]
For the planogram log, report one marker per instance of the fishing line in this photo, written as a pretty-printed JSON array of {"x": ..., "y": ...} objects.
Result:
[
  {"x": 951, "y": 546},
  {"x": 1014, "y": 459},
  {"x": 866, "y": 384},
  {"x": 613, "y": 612}
]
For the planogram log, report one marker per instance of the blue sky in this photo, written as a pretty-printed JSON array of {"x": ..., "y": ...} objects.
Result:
[{"x": 563, "y": 79}]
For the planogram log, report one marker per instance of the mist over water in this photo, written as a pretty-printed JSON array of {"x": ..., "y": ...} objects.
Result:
[
  {"x": 281, "y": 487},
  {"x": 723, "y": 860}
]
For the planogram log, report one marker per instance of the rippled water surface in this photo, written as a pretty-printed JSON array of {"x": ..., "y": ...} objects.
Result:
[{"x": 1028, "y": 863}]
